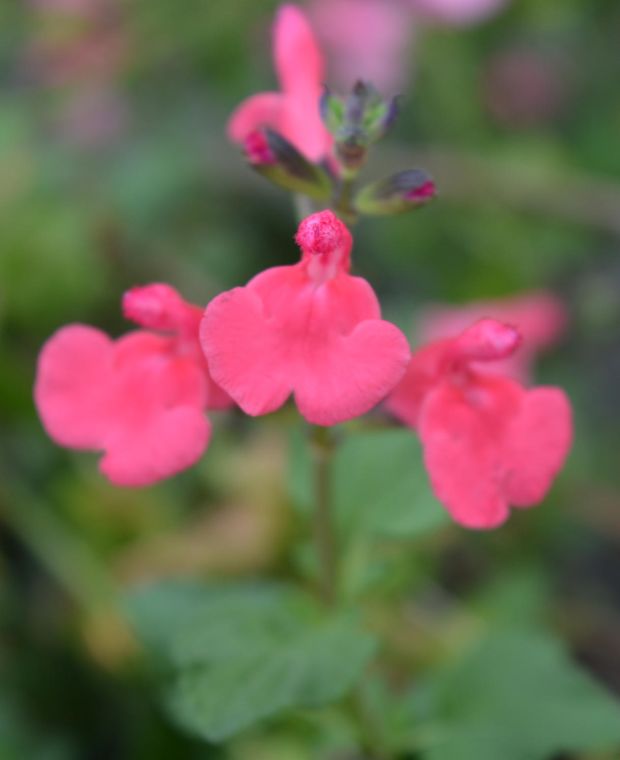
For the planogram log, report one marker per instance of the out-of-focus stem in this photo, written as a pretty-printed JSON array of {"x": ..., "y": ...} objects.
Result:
[
  {"x": 343, "y": 204},
  {"x": 324, "y": 531},
  {"x": 303, "y": 206},
  {"x": 368, "y": 724}
]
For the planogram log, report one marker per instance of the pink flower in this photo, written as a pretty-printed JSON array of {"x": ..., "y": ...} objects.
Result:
[
  {"x": 294, "y": 112},
  {"x": 488, "y": 443},
  {"x": 139, "y": 399},
  {"x": 367, "y": 39},
  {"x": 540, "y": 318},
  {"x": 457, "y": 11},
  {"x": 310, "y": 329}
]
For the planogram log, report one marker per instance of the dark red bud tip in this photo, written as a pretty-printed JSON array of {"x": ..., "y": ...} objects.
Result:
[
  {"x": 422, "y": 193},
  {"x": 157, "y": 306},
  {"x": 488, "y": 340},
  {"x": 258, "y": 150},
  {"x": 322, "y": 233}
]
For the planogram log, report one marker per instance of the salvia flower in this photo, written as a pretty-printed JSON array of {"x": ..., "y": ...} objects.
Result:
[
  {"x": 293, "y": 112},
  {"x": 310, "y": 329},
  {"x": 140, "y": 399},
  {"x": 488, "y": 442}
]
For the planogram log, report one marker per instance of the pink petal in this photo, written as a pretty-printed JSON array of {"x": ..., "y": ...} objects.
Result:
[
  {"x": 73, "y": 385},
  {"x": 284, "y": 333},
  {"x": 423, "y": 372},
  {"x": 262, "y": 110},
  {"x": 163, "y": 445},
  {"x": 462, "y": 438},
  {"x": 147, "y": 368},
  {"x": 344, "y": 376},
  {"x": 243, "y": 354},
  {"x": 537, "y": 443},
  {"x": 158, "y": 427},
  {"x": 300, "y": 67},
  {"x": 298, "y": 59}
]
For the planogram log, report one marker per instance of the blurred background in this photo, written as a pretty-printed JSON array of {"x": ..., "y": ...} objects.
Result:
[{"x": 115, "y": 170}]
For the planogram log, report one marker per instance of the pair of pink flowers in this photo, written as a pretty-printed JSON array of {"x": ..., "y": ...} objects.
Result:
[
  {"x": 309, "y": 329},
  {"x": 313, "y": 330}
]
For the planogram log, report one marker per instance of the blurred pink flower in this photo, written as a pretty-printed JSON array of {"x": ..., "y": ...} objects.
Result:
[
  {"x": 488, "y": 443},
  {"x": 293, "y": 112},
  {"x": 78, "y": 48},
  {"x": 366, "y": 39},
  {"x": 524, "y": 87},
  {"x": 373, "y": 39},
  {"x": 540, "y": 318},
  {"x": 310, "y": 329},
  {"x": 92, "y": 116},
  {"x": 139, "y": 399},
  {"x": 456, "y": 11}
]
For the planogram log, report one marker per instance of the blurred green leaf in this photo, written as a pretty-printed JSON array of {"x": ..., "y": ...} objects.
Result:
[
  {"x": 239, "y": 654},
  {"x": 516, "y": 696},
  {"x": 380, "y": 486}
]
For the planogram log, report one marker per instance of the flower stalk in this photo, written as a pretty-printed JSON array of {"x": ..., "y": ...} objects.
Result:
[{"x": 323, "y": 448}]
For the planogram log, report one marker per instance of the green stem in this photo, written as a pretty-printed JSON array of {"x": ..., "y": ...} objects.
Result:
[
  {"x": 303, "y": 206},
  {"x": 343, "y": 204},
  {"x": 368, "y": 724},
  {"x": 324, "y": 533}
]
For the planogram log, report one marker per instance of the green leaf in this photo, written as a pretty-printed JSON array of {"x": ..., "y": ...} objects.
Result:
[
  {"x": 517, "y": 696},
  {"x": 380, "y": 486},
  {"x": 239, "y": 654}
]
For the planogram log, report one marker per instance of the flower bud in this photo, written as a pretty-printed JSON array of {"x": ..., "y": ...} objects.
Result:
[
  {"x": 279, "y": 161},
  {"x": 404, "y": 191},
  {"x": 357, "y": 122}
]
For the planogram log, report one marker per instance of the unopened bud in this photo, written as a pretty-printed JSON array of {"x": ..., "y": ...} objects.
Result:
[
  {"x": 280, "y": 162},
  {"x": 357, "y": 121},
  {"x": 401, "y": 192}
]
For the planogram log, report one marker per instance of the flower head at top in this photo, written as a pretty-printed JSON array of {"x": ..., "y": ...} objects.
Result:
[
  {"x": 539, "y": 316},
  {"x": 488, "y": 442},
  {"x": 293, "y": 112},
  {"x": 139, "y": 399},
  {"x": 310, "y": 329}
]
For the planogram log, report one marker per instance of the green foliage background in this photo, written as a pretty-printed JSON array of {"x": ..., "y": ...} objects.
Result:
[{"x": 492, "y": 624}]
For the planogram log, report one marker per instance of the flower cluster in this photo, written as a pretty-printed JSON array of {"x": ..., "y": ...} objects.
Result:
[{"x": 314, "y": 331}]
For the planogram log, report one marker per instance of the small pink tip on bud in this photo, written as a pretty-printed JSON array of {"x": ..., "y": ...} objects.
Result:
[
  {"x": 323, "y": 233},
  {"x": 156, "y": 307},
  {"x": 423, "y": 193},
  {"x": 258, "y": 150},
  {"x": 487, "y": 340}
]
